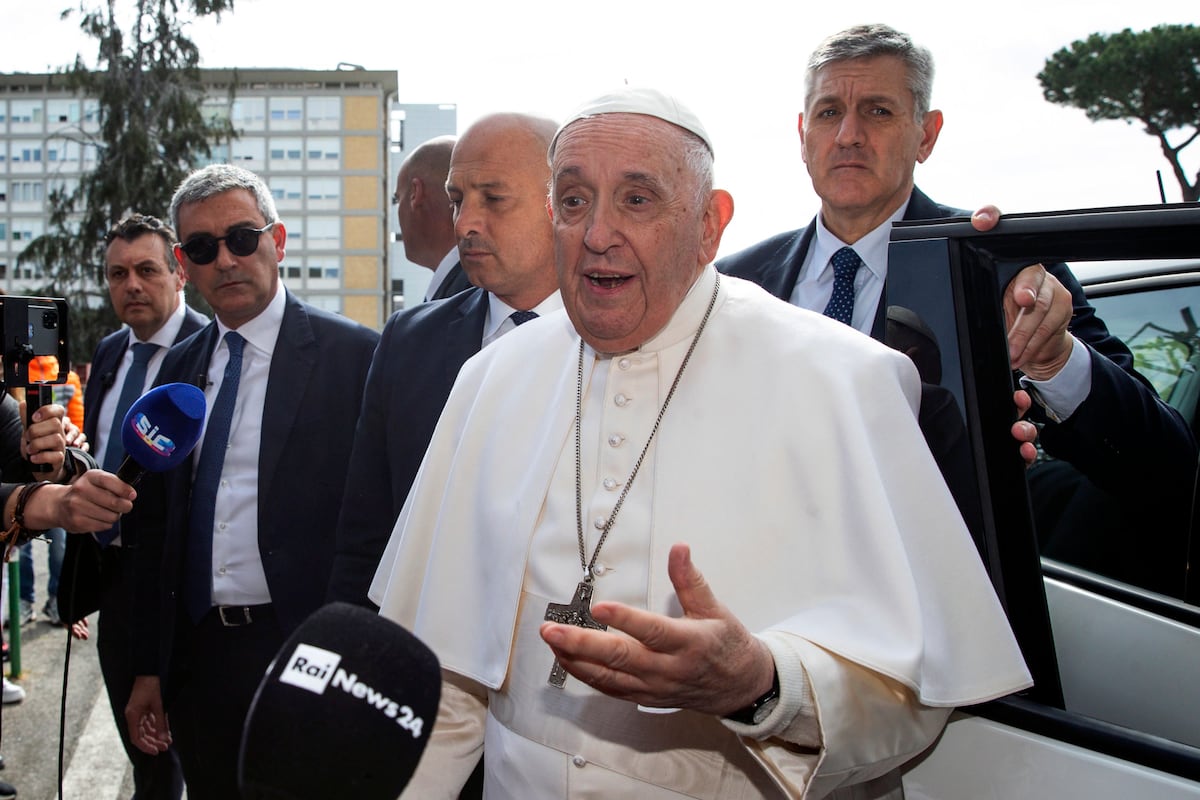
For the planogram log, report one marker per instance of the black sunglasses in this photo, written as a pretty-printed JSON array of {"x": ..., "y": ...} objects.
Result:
[{"x": 202, "y": 249}]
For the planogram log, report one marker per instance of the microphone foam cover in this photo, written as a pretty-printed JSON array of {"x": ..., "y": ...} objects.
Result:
[
  {"x": 162, "y": 426},
  {"x": 344, "y": 710}
]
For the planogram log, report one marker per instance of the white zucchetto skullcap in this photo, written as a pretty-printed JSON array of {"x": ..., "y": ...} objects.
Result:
[{"x": 630, "y": 100}]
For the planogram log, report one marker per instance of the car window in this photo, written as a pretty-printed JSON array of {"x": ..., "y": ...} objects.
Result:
[
  {"x": 1159, "y": 327},
  {"x": 1107, "y": 529}
]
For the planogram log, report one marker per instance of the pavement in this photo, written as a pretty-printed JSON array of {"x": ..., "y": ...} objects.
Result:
[{"x": 93, "y": 761}]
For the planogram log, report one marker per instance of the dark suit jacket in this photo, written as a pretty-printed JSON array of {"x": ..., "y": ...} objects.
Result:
[
  {"x": 456, "y": 281},
  {"x": 79, "y": 589},
  {"x": 314, "y": 392},
  {"x": 414, "y": 367},
  {"x": 1112, "y": 455}
]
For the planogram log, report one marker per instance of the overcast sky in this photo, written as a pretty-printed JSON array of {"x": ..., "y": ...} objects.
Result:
[{"x": 739, "y": 64}]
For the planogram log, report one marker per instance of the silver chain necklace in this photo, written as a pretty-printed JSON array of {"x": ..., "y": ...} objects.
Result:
[{"x": 579, "y": 611}]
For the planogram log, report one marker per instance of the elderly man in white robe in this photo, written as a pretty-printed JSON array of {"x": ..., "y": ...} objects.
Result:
[{"x": 684, "y": 539}]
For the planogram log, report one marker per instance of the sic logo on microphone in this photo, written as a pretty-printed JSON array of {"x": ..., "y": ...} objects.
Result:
[{"x": 310, "y": 668}]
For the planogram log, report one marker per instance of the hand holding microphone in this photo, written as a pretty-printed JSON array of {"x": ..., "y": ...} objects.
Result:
[{"x": 159, "y": 431}]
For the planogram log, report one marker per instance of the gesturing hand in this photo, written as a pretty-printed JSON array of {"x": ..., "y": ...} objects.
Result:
[{"x": 706, "y": 661}]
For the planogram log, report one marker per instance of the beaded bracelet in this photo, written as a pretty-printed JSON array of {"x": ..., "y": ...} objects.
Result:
[{"x": 17, "y": 534}]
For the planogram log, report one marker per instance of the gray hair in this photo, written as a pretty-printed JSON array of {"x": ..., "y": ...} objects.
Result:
[
  {"x": 699, "y": 161},
  {"x": 869, "y": 41},
  {"x": 220, "y": 178}
]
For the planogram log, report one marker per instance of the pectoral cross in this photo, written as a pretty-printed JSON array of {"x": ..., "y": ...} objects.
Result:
[{"x": 578, "y": 613}]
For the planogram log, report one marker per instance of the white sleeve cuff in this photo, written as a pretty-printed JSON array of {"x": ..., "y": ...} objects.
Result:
[{"x": 1064, "y": 392}]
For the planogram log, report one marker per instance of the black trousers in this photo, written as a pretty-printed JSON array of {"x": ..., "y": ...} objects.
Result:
[
  {"x": 154, "y": 777},
  {"x": 211, "y": 690}
]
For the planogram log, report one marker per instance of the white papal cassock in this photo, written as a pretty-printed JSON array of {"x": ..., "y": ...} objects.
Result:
[{"x": 790, "y": 460}]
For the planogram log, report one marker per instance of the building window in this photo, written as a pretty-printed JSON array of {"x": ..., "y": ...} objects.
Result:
[
  {"x": 214, "y": 109},
  {"x": 286, "y": 191},
  {"x": 62, "y": 112},
  {"x": 324, "y": 153},
  {"x": 323, "y": 113},
  {"x": 250, "y": 153},
  {"x": 324, "y": 272},
  {"x": 249, "y": 113},
  {"x": 324, "y": 193},
  {"x": 324, "y": 233},
  {"x": 286, "y": 113},
  {"x": 62, "y": 151},
  {"x": 27, "y": 114},
  {"x": 285, "y": 153},
  {"x": 26, "y": 230},
  {"x": 27, "y": 191}
]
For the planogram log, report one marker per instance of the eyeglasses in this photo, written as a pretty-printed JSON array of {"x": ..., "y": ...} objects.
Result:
[{"x": 202, "y": 249}]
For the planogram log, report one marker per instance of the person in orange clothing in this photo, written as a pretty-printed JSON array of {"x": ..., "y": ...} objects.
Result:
[{"x": 69, "y": 395}]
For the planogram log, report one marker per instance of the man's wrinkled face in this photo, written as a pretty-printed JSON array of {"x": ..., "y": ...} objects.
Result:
[
  {"x": 632, "y": 227},
  {"x": 860, "y": 138},
  {"x": 141, "y": 284}
]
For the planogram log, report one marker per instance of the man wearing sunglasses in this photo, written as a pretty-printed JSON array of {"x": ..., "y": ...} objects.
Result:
[{"x": 239, "y": 551}]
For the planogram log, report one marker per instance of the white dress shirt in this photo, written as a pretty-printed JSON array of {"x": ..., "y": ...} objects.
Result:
[{"x": 238, "y": 576}]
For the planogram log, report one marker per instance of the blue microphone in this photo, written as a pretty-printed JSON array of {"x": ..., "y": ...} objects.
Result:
[{"x": 160, "y": 430}]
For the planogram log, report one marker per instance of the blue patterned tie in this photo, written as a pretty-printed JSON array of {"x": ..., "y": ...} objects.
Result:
[
  {"x": 131, "y": 390},
  {"x": 845, "y": 266},
  {"x": 521, "y": 317},
  {"x": 197, "y": 589}
]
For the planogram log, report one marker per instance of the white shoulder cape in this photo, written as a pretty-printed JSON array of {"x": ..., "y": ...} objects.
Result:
[{"x": 791, "y": 462}]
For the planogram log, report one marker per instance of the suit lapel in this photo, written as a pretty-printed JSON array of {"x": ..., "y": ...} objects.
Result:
[
  {"x": 464, "y": 335},
  {"x": 108, "y": 360},
  {"x": 292, "y": 367}
]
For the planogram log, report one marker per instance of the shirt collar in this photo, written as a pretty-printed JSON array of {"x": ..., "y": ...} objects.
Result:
[
  {"x": 499, "y": 312},
  {"x": 443, "y": 269},
  {"x": 871, "y": 248}
]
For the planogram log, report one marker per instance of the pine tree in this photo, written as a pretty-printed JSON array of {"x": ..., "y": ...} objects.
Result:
[{"x": 1152, "y": 77}]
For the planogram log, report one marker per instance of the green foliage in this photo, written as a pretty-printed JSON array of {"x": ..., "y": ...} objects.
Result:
[
  {"x": 1152, "y": 77},
  {"x": 151, "y": 133}
]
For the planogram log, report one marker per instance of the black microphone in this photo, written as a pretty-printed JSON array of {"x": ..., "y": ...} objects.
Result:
[
  {"x": 160, "y": 429},
  {"x": 108, "y": 379},
  {"x": 344, "y": 710}
]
